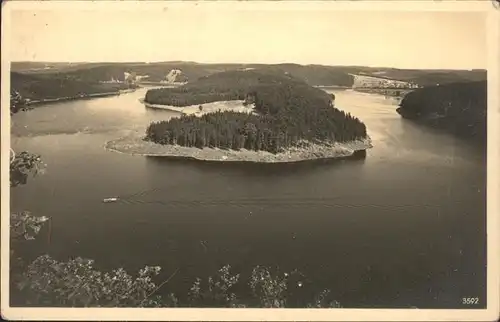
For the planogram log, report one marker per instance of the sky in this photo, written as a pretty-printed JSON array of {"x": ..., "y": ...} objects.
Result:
[{"x": 440, "y": 40}]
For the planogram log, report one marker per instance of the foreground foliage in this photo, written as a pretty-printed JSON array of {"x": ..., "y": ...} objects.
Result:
[
  {"x": 288, "y": 111},
  {"x": 24, "y": 164},
  {"x": 76, "y": 283}
]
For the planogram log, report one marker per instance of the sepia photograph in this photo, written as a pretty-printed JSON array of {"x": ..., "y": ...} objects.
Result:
[{"x": 277, "y": 161}]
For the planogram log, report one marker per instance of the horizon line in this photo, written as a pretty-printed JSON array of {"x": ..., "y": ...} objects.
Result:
[{"x": 237, "y": 63}]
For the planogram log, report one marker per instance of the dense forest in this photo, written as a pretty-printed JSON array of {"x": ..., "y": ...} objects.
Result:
[
  {"x": 459, "y": 108},
  {"x": 56, "y": 85},
  {"x": 224, "y": 86},
  {"x": 288, "y": 111}
]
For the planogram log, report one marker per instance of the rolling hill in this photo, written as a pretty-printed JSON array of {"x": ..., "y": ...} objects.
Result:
[{"x": 314, "y": 75}]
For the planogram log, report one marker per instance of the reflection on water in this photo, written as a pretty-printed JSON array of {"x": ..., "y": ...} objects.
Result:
[{"x": 402, "y": 225}]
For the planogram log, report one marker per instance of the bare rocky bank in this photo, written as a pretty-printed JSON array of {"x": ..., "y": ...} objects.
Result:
[
  {"x": 219, "y": 106},
  {"x": 135, "y": 145}
]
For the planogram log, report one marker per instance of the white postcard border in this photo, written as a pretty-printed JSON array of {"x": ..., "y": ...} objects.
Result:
[{"x": 183, "y": 314}]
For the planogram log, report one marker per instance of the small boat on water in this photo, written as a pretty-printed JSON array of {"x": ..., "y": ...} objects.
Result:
[{"x": 113, "y": 199}]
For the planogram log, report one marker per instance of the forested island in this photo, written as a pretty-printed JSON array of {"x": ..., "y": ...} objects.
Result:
[
  {"x": 290, "y": 121},
  {"x": 458, "y": 108}
]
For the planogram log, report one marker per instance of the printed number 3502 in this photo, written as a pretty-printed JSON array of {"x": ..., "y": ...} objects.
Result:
[{"x": 470, "y": 300}]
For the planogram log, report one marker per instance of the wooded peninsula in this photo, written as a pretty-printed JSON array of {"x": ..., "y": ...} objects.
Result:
[
  {"x": 457, "y": 108},
  {"x": 287, "y": 113}
]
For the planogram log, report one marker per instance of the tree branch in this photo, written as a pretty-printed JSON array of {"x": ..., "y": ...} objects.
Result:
[{"x": 156, "y": 289}]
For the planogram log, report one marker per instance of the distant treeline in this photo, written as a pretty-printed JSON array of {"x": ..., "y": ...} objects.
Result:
[
  {"x": 56, "y": 85},
  {"x": 430, "y": 77},
  {"x": 459, "y": 108},
  {"x": 224, "y": 86},
  {"x": 288, "y": 111},
  {"x": 313, "y": 75}
]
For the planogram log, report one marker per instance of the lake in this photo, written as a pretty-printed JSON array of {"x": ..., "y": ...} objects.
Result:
[{"x": 403, "y": 227}]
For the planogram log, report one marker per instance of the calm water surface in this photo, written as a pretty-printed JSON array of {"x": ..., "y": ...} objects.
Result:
[{"x": 404, "y": 227}]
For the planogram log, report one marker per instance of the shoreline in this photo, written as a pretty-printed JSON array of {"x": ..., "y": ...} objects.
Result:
[
  {"x": 133, "y": 144},
  {"x": 162, "y": 84},
  {"x": 394, "y": 92},
  {"x": 223, "y": 106},
  {"x": 332, "y": 86},
  {"x": 80, "y": 97},
  {"x": 161, "y": 106},
  {"x": 73, "y": 98}
]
